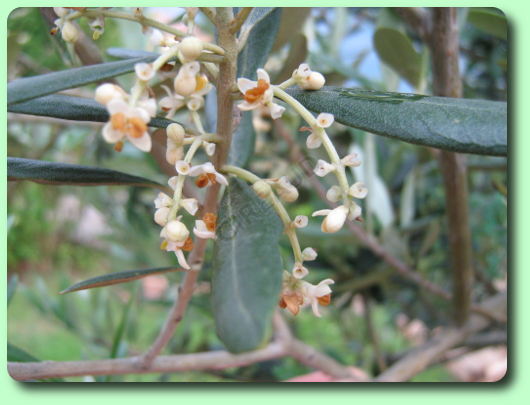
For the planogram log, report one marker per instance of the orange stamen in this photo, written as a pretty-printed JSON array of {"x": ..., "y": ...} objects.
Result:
[
  {"x": 136, "y": 127},
  {"x": 118, "y": 146},
  {"x": 324, "y": 300},
  {"x": 202, "y": 180},
  {"x": 118, "y": 121},
  {"x": 254, "y": 94},
  {"x": 188, "y": 245},
  {"x": 201, "y": 81},
  {"x": 210, "y": 220}
]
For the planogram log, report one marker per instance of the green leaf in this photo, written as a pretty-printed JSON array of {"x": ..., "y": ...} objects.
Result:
[
  {"x": 55, "y": 173},
  {"x": 261, "y": 26},
  {"x": 71, "y": 108},
  {"x": 36, "y": 86},
  {"x": 11, "y": 287},
  {"x": 247, "y": 271},
  {"x": 460, "y": 125},
  {"x": 492, "y": 21},
  {"x": 15, "y": 353},
  {"x": 395, "y": 49},
  {"x": 124, "y": 53},
  {"x": 117, "y": 278}
]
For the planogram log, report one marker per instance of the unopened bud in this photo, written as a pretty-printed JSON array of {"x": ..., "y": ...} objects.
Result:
[
  {"x": 161, "y": 215},
  {"x": 69, "y": 32},
  {"x": 190, "y": 48},
  {"x": 262, "y": 189},
  {"x": 176, "y": 133},
  {"x": 309, "y": 254},
  {"x": 176, "y": 231},
  {"x": 315, "y": 81},
  {"x": 106, "y": 92}
]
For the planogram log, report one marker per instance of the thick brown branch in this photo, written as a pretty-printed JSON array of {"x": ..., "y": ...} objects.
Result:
[{"x": 447, "y": 82}]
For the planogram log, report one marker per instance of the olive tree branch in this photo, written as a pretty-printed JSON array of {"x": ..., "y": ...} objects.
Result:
[{"x": 226, "y": 79}]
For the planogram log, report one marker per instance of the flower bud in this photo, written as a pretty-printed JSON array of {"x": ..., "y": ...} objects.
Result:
[
  {"x": 334, "y": 194},
  {"x": 262, "y": 189},
  {"x": 309, "y": 254},
  {"x": 351, "y": 160},
  {"x": 315, "y": 81},
  {"x": 186, "y": 81},
  {"x": 174, "y": 153},
  {"x": 176, "y": 133},
  {"x": 286, "y": 191},
  {"x": 161, "y": 215},
  {"x": 335, "y": 219},
  {"x": 69, "y": 32},
  {"x": 60, "y": 11},
  {"x": 108, "y": 91},
  {"x": 190, "y": 48},
  {"x": 176, "y": 231},
  {"x": 355, "y": 213}
]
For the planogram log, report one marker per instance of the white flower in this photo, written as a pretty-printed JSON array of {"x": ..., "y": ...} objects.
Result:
[
  {"x": 334, "y": 194},
  {"x": 163, "y": 200},
  {"x": 163, "y": 40},
  {"x": 317, "y": 294},
  {"x": 302, "y": 72},
  {"x": 127, "y": 122},
  {"x": 334, "y": 220},
  {"x": 323, "y": 168},
  {"x": 182, "y": 167},
  {"x": 258, "y": 94},
  {"x": 190, "y": 49},
  {"x": 185, "y": 82},
  {"x": 201, "y": 230},
  {"x": 299, "y": 271},
  {"x": 176, "y": 247},
  {"x": 355, "y": 213},
  {"x": 309, "y": 254},
  {"x": 193, "y": 101},
  {"x": 324, "y": 120},
  {"x": 207, "y": 175},
  {"x": 190, "y": 204},
  {"x": 351, "y": 160},
  {"x": 358, "y": 190},
  {"x": 144, "y": 71},
  {"x": 300, "y": 221}
]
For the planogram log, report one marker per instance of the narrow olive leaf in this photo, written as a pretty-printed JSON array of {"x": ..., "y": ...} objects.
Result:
[
  {"x": 37, "y": 86},
  {"x": 117, "y": 278},
  {"x": 247, "y": 268},
  {"x": 55, "y": 173},
  {"x": 396, "y": 50},
  {"x": 71, "y": 108},
  {"x": 460, "y": 125},
  {"x": 262, "y": 25},
  {"x": 124, "y": 53},
  {"x": 491, "y": 21}
]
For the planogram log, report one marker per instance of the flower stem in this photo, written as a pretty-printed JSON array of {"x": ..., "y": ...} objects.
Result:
[
  {"x": 276, "y": 204},
  {"x": 340, "y": 173},
  {"x": 142, "y": 20}
]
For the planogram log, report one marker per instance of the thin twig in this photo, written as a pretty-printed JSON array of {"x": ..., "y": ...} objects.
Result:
[
  {"x": 421, "y": 357},
  {"x": 240, "y": 19},
  {"x": 447, "y": 83}
]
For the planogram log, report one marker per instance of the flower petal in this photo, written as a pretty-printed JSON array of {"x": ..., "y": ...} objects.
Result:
[
  {"x": 244, "y": 84},
  {"x": 276, "y": 111},
  {"x": 110, "y": 135},
  {"x": 117, "y": 105},
  {"x": 182, "y": 259},
  {"x": 143, "y": 143},
  {"x": 263, "y": 75}
]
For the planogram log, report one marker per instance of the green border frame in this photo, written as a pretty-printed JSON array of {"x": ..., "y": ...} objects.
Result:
[{"x": 510, "y": 390}]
